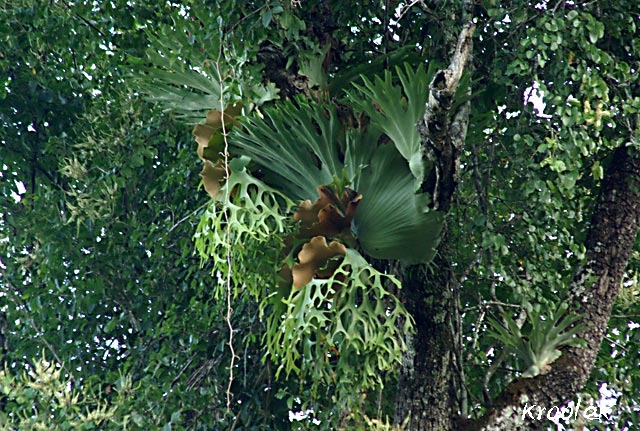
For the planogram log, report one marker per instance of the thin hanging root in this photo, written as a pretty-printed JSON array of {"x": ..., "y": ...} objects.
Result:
[{"x": 228, "y": 245}]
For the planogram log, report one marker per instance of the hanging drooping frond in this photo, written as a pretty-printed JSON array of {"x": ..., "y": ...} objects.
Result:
[
  {"x": 257, "y": 221},
  {"x": 392, "y": 221},
  {"x": 349, "y": 314}
]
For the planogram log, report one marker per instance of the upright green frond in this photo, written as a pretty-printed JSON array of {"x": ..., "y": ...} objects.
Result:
[
  {"x": 188, "y": 90},
  {"x": 539, "y": 346},
  {"x": 396, "y": 109},
  {"x": 360, "y": 145},
  {"x": 300, "y": 147},
  {"x": 296, "y": 146}
]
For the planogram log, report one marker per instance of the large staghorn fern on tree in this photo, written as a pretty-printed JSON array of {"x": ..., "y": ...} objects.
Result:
[
  {"x": 327, "y": 300},
  {"x": 330, "y": 195}
]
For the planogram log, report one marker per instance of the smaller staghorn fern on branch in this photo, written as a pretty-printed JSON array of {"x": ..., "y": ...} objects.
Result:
[{"x": 537, "y": 348}]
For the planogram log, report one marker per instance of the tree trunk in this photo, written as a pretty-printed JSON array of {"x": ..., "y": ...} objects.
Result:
[
  {"x": 424, "y": 388},
  {"x": 613, "y": 231},
  {"x": 425, "y": 393}
]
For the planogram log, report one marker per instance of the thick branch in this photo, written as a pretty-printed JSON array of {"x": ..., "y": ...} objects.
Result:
[
  {"x": 443, "y": 87},
  {"x": 442, "y": 138},
  {"x": 614, "y": 226},
  {"x": 425, "y": 393}
]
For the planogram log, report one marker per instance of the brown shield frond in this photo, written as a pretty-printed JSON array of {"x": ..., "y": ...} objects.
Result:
[{"x": 313, "y": 257}]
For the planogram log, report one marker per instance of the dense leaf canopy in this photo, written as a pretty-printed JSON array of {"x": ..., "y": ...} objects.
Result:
[{"x": 284, "y": 295}]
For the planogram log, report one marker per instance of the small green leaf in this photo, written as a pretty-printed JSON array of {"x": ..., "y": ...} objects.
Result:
[
  {"x": 137, "y": 418},
  {"x": 266, "y": 17},
  {"x": 597, "y": 171}
]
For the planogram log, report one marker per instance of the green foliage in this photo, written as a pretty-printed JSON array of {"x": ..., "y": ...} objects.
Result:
[
  {"x": 96, "y": 257},
  {"x": 296, "y": 146},
  {"x": 397, "y": 109},
  {"x": 98, "y": 209},
  {"x": 350, "y": 315},
  {"x": 344, "y": 332},
  {"x": 529, "y": 181},
  {"x": 43, "y": 398},
  {"x": 216, "y": 68},
  {"x": 250, "y": 225},
  {"x": 392, "y": 221},
  {"x": 386, "y": 425},
  {"x": 189, "y": 92},
  {"x": 537, "y": 346}
]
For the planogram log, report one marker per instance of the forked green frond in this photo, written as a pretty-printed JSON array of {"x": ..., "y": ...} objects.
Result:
[
  {"x": 188, "y": 90},
  {"x": 396, "y": 109},
  {"x": 257, "y": 223},
  {"x": 338, "y": 318}
]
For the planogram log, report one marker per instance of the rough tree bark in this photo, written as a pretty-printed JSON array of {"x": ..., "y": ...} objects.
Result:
[
  {"x": 425, "y": 391},
  {"x": 613, "y": 231},
  {"x": 425, "y": 394},
  {"x": 424, "y": 385}
]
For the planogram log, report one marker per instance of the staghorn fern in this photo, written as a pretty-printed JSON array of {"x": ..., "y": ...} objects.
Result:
[{"x": 538, "y": 348}]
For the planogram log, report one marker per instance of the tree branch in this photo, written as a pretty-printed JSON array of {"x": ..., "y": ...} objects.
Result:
[
  {"x": 442, "y": 138},
  {"x": 614, "y": 226}
]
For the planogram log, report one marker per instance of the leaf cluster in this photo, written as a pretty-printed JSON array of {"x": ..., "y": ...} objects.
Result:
[{"x": 538, "y": 346}]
